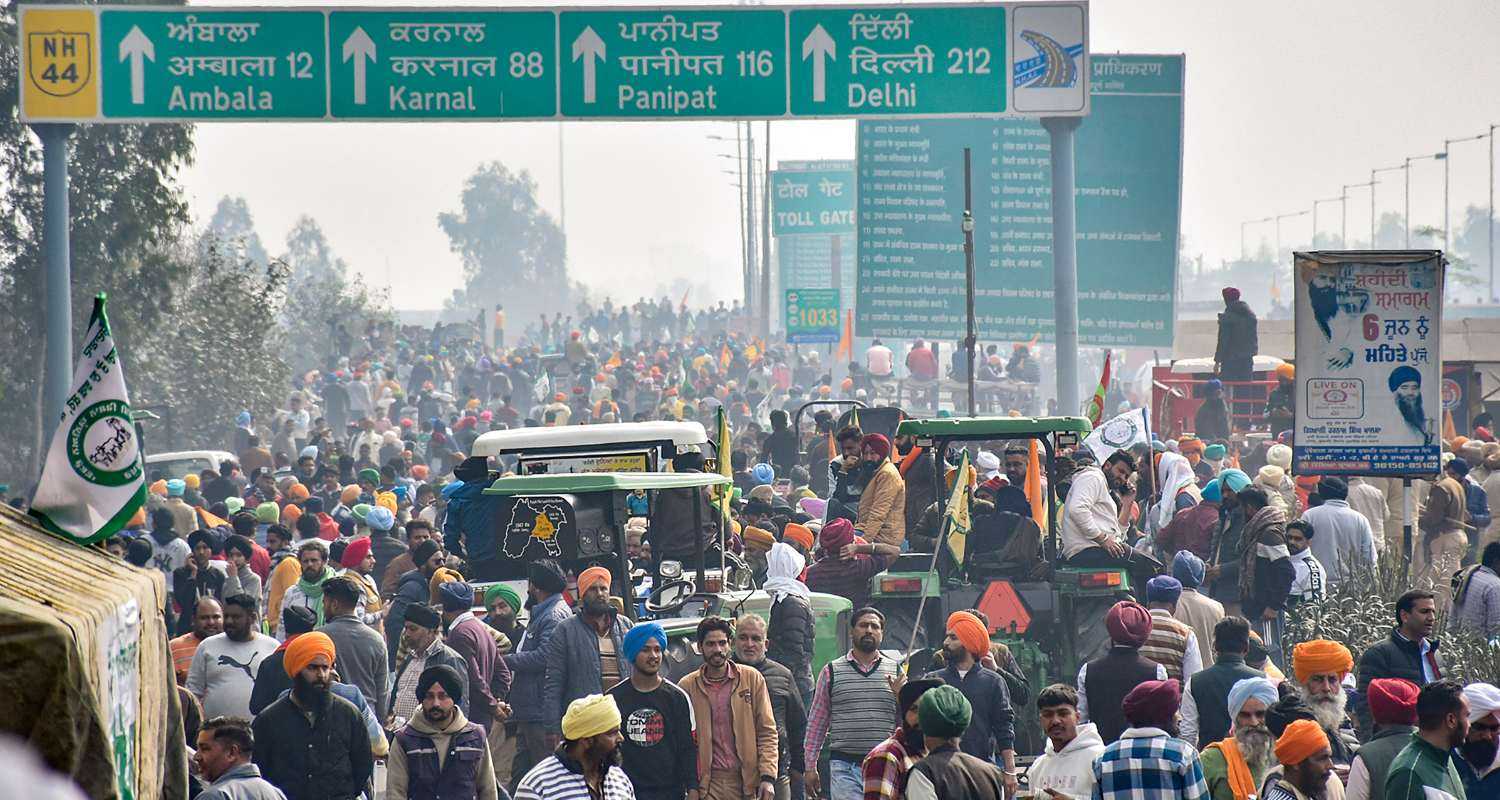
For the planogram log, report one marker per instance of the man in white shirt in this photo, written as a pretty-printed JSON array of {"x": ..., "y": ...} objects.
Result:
[
  {"x": 223, "y": 671},
  {"x": 1307, "y": 571},
  {"x": 1342, "y": 536},
  {"x": 1093, "y": 525},
  {"x": 879, "y": 360},
  {"x": 1369, "y": 501}
]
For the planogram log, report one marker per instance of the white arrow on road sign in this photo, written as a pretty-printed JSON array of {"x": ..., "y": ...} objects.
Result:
[
  {"x": 136, "y": 47},
  {"x": 819, "y": 45},
  {"x": 361, "y": 48},
  {"x": 590, "y": 48}
]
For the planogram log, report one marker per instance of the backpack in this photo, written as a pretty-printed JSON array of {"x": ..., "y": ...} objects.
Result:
[
  {"x": 1477, "y": 504},
  {"x": 1459, "y": 584}
]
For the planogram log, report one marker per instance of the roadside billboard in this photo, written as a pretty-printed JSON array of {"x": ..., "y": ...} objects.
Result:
[{"x": 1369, "y": 363}]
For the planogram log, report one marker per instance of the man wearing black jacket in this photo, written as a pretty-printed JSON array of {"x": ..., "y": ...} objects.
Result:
[
  {"x": 312, "y": 744},
  {"x": 656, "y": 721},
  {"x": 1409, "y": 653}
]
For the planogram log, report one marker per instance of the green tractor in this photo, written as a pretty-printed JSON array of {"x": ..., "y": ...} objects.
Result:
[{"x": 1049, "y": 614}]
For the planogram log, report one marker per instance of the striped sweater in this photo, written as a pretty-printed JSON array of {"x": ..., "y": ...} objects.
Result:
[
  {"x": 559, "y": 777},
  {"x": 1167, "y": 644}
]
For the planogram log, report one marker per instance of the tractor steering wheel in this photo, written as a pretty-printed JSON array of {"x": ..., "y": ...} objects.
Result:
[{"x": 670, "y": 597}]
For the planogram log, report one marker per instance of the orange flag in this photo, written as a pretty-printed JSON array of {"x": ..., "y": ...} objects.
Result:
[
  {"x": 846, "y": 341},
  {"x": 1034, "y": 493}
]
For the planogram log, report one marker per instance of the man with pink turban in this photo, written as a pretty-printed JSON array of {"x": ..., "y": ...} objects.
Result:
[
  {"x": 845, "y": 567},
  {"x": 1104, "y": 682}
]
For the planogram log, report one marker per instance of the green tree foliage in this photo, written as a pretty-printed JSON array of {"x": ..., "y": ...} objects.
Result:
[
  {"x": 126, "y": 205},
  {"x": 234, "y": 228},
  {"x": 512, "y": 250},
  {"x": 324, "y": 307},
  {"x": 309, "y": 255},
  {"x": 223, "y": 350}
]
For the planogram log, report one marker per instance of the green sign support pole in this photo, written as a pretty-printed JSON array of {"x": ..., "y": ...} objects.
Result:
[
  {"x": 59, "y": 281},
  {"x": 1064, "y": 260}
]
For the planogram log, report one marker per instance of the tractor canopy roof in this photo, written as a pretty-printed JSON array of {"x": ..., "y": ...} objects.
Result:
[
  {"x": 992, "y": 427},
  {"x": 583, "y": 482}
]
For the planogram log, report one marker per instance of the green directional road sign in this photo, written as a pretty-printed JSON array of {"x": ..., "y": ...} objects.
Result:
[
  {"x": 101, "y": 63},
  {"x": 717, "y": 62},
  {"x": 442, "y": 64},
  {"x": 212, "y": 64},
  {"x": 812, "y": 316},
  {"x": 813, "y": 200},
  {"x": 901, "y": 60}
]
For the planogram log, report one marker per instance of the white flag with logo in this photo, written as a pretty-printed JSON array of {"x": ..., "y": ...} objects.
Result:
[
  {"x": 92, "y": 482},
  {"x": 1119, "y": 433}
]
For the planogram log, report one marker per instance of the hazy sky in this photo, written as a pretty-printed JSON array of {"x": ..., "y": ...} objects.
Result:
[{"x": 1285, "y": 102}]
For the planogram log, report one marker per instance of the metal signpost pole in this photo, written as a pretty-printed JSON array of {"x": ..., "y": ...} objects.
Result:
[
  {"x": 765, "y": 239},
  {"x": 59, "y": 281},
  {"x": 968, "y": 227},
  {"x": 1060, "y": 131}
]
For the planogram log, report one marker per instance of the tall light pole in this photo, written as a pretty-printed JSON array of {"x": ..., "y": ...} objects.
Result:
[
  {"x": 1489, "y": 219},
  {"x": 1243, "y": 256},
  {"x": 1447, "y": 236},
  {"x": 1406, "y": 213},
  {"x": 1373, "y": 181},
  {"x": 1315, "y": 217},
  {"x": 739, "y": 189},
  {"x": 746, "y": 210},
  {"x": 1344, "y": 211}
]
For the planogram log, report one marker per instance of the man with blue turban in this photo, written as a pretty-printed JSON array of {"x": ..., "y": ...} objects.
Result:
[
  {"x": 1235, "y": 767},
  {"x": 1171, "y": 643},
  {"x": 656, "y": 720},
  {"x": 1195, "y": 609}
]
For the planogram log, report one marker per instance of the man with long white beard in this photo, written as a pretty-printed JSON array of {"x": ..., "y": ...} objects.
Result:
[
  {"x": 1320, "y": 666},
  {"x": 1234, "y": 767}
]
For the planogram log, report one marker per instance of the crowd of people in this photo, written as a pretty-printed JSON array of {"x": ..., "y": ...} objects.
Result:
[{"x": 326, "y": 620}]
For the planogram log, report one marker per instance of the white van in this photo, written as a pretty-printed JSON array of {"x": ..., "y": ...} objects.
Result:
[{"x": 184, "y": 462}]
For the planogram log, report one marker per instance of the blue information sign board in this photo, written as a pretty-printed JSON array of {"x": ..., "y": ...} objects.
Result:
[{"x": 910, "y": 260}]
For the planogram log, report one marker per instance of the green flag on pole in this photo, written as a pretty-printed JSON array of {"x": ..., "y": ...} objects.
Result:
[{"x": 92, "y": 481}]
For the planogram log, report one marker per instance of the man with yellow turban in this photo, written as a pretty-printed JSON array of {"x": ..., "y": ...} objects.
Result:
[
  {"x": 1306, "y": 763},
  {"x": 313, "y": 744},
  {"x": 992, "y": 728},
  {"x": 1320, "y": 666},
  {"x": 588, "y": 763}
]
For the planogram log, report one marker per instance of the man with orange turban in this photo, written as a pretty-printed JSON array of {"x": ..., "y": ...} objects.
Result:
[
  {"x": 1320, "y": 666},
  {"x": 586, "y": 654},
  {"x": 332, "y": 756},
  {"x": 992, "y": 727},
  {"x": 1306, "y": 762}
]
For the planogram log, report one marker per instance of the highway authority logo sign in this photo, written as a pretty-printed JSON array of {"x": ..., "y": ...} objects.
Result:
[{"x": 59, "y": 63}]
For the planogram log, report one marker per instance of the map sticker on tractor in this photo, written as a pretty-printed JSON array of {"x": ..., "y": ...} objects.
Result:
[{"x": 536, "y": 527}]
